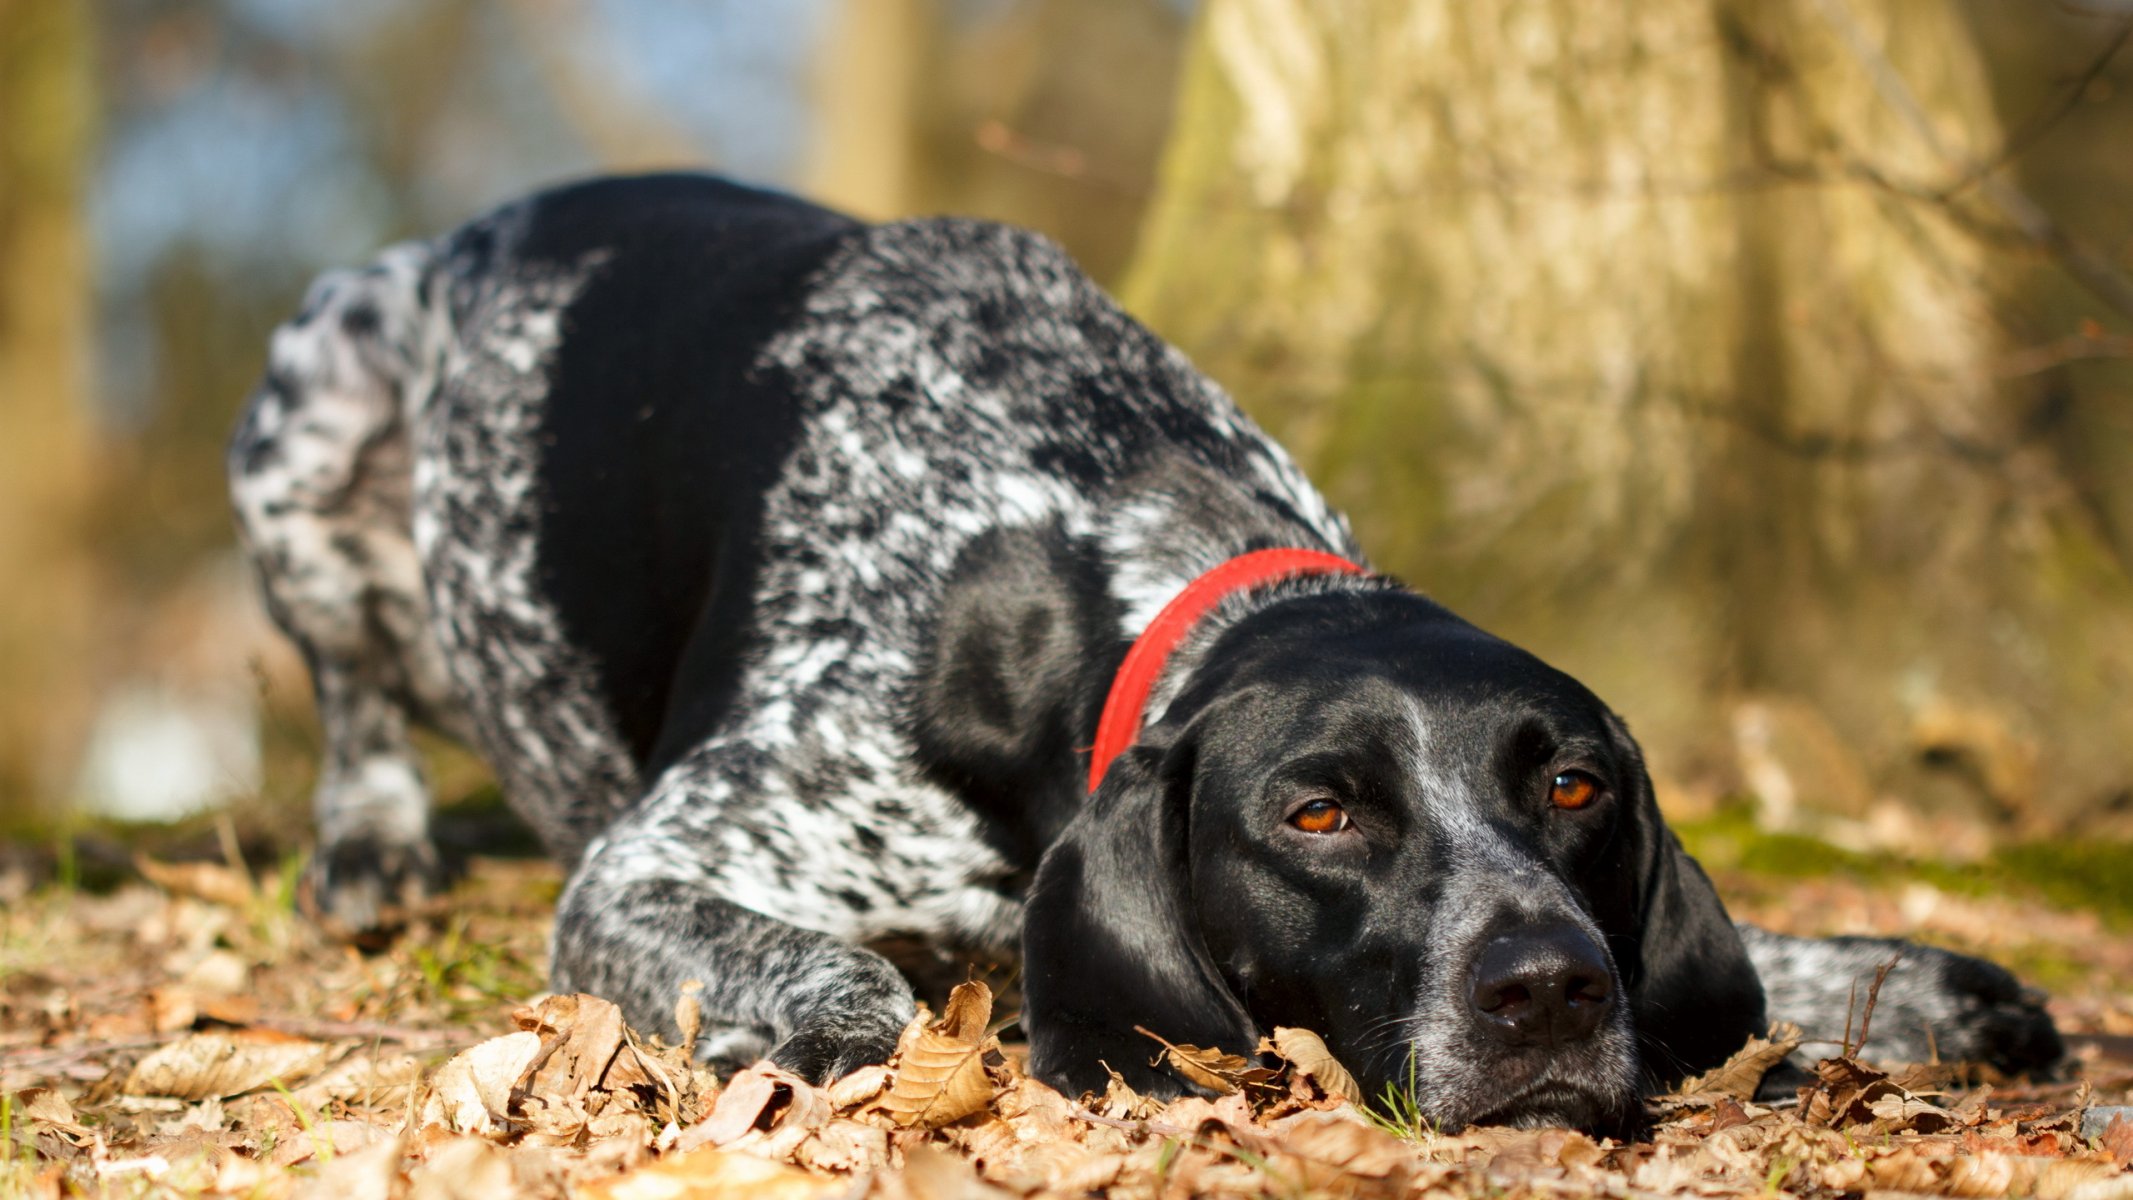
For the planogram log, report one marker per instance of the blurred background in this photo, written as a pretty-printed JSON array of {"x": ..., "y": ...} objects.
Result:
[{"x": 1765, "y": 363}]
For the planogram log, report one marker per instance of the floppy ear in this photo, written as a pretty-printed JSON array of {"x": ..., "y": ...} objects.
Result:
[
  {"x": 1110, "y": 939},
  {"x": 1694, "y": 994}
]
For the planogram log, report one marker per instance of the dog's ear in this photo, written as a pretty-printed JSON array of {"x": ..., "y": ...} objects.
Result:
[
  {"x": 1693, "y": 990},
  {"x": 1111, "y": 941}
]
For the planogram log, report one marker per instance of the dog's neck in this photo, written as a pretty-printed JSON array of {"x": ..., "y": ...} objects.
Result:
[
  {"x": 1143, "y": 667},
  {"x": 1177, "y": 521}
]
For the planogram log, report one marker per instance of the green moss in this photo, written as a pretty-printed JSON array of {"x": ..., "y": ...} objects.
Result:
[
  {"x": 2087, "y": 875},
  {"x": 2097, "y": 875}
]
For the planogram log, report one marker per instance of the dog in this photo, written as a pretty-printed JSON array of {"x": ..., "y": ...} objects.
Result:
[{"x": 814, "y": 586}]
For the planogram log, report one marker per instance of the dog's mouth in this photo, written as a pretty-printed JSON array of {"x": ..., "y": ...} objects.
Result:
[
  {"x": 1531, "y": 1092},
  {"x": 1558, "y": 1104}
]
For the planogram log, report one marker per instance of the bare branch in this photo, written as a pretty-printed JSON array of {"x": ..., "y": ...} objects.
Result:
[
  {"x": 2047, "y": 117},
  {"x": 2091, "y": 270}
]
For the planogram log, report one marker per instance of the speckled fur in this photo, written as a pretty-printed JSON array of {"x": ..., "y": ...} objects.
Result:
[
  {"x": 1934, "y": 1006},
  {"x": 388, "y": 477}
]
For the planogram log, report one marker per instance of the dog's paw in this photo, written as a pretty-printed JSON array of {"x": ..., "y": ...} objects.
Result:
[
  {"x": 825, "y": 1051},
  {"x": 1992, "y": 1018},
  {"x": 361, "y": 887}
]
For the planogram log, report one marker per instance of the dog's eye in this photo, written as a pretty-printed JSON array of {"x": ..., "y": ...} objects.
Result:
[
  {"x": 1320, "y": 816},
  {"x": 1573, "y": 790}
]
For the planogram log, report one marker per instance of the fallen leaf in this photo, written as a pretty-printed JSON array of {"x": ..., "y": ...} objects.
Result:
[
  {"x": 1332, "y": 1150},
  {"x": 212, "y": 882},
  {"x": 1742, "y": 1073},
  {"x": 1985, "y": 1175},
  {"x": 940, "y": 1072},
  {"x": 171, "y": 1009},
  {"x": 462, "y": 1169},
  {"x": 585, "y": 1047},
  {"x": 219, "y": 973},
  {"x": 1898, "y": 1112},
  {"x": 1121, "y": 1103},
  {"x": 369, "y": 1173},
  {"x": 327, "y": 1140},
  {"x": 362, "y": 1079},
  {"x": 844, "y": 1146},
  {"x": 1210, "y": 1067},
  {"x": 1307, "y": 1056},
  {"x": 227, "y": 1063},
  {"x": 2117, "y": 1141},
  {"x": 1843, "y": 1092},
  {"x": 472, "y": 1092},
  {"x": 859, "y": 1087},
  {"x": 764, "y": 1099},
  {"x": 2076, "y": 1179},
  {"x": 709, "y": 1173},
  {"x": 933, "y": 1174}
]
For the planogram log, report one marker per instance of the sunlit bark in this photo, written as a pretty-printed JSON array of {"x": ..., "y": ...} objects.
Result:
[{"x": 1625, "y": 329}]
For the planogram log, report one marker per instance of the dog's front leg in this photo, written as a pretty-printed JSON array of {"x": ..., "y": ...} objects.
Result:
[{"x": 633, "y": 928}]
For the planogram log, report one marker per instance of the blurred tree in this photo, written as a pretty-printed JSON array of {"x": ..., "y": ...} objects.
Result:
[
  {"x": 1047, "y": 113},
  {"x": 48, "y": 460},
  {"x": 1652, "y": 336}
]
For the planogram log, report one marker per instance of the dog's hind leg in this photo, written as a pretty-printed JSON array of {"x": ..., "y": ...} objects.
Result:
[
  {"x": 1933, "y": 1003},
  {"x": 320, "y": 470}
]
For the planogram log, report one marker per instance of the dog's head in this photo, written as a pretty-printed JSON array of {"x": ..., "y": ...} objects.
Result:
[{"x": 1365, "y": 817}]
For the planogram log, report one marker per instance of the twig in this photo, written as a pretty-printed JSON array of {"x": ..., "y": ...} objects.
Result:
[
  {"x": 2040, "y": 122},
  {"x": 1873, "y": 997},
  {"x": 55, "y": 1057},
  {"x": 1159, "y": 1128},
  {"x": 60, "y": 1056},
  {"x": 368, "y": 1031},
  {"x": 2075, "y": 348},
  {"x": 2103, "y": 281}
]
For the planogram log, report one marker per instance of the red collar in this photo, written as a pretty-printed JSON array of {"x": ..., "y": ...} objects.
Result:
[{"x": 1125, "y": 707}]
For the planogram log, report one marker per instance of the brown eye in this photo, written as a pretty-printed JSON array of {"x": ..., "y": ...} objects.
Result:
[
  {"x": 1573, "y": 790},
  {"x": 1320, "y": 816}
]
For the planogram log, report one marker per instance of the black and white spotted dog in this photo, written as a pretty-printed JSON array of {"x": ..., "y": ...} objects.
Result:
[{"x": 782, "y": 565}]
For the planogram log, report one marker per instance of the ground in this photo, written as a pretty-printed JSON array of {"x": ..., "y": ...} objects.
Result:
[{"x": 182, "y": 1030}]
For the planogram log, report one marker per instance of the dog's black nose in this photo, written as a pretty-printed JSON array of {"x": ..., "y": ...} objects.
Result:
[{"x": 1541, "y": 987}]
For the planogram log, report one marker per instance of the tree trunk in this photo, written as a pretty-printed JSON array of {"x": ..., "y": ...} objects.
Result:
[
  {"x": 47, "y": 575},
  {"x": 1618, "y": 328}
]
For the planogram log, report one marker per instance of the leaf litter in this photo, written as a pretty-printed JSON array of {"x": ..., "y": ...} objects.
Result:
[{"x": 199, "y": 1039}]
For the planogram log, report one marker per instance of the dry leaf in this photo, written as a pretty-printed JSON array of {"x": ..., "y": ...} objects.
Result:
[
  {"x": 212, "y": 882},
  {"x": 932, "y": 1174},
  {"x": 1210, "y": 1067},
  {"x": 2076, "y": 1179},
  {"x": 940, "y": 1072},
  {"x": 1895, "y": 1113},
  {"x": 227, "y": 1063},
  {"x": 1741, "y": 1074},
  {"x": 713, "y": 1174},
  {"x": 363, "y": 1079},
  {"x": 2117, "y": 1141},
  {"x": 1843, "y": 1092},
  {"x": 1121, "y": 1103},
  {"x": 1307, "y": 1056},
  {"x": 844, "y": 1146},
  {"x": 859, "y": 1087},
  {"x": 327, "y": 1140},
  {"x": 766, "y": 1100},
  {"x": 1331, "y": 1150},
  {"x": 584, "y": 1047},
  {"x": 462, "y": 1169},
  {"x": 370, "y": 1173},
  {"x": 1985, "y": 1175},
  {"x": 472, "y": 1093}
]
